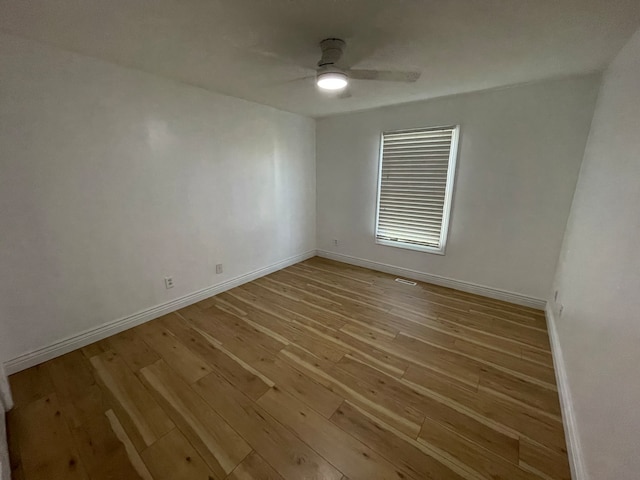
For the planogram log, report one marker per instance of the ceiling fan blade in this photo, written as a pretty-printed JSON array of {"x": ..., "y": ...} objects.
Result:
[
  {"x": 383, "y": 75},
  {"x": 300, "y": 79},
  {"x": 306, "y": 78}
]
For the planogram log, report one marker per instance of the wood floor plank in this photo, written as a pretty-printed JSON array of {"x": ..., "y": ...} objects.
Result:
[
  {"x": 272, "y": 326},
  {"x": 539, "y": 458},
  {"x": 244, "y": 352},
  {"x": 274, "y": 302},
  {"x": 71, "y": 374},
  {"x": 254, "y": 467},
  {"x": 497, "y": 440},
  {"x": 285, "y": 452},
  {"x": 509, "y": 367},
  {"x": 265, "y": 290},
  {"x": 403, "y": 418},
  {"x": 30, "y": 385},
  {"x": 471, "y": 454},
  {"x": 291, "y": 331},
  {"x": 103, "y": 454},
  {"x": 173, "y": 458},
  {"x": 216, "y": 442},
  {"x": 132, "y": 453},
  {"x": 13, "y": 441},
  {"x": 287, "y": 378},
  {"x": 466, "y": 374},
  {"x": 133, "y": 350},
  {"x": 235, "y": 372},
  {"x": 347, "y": 453},
  {"x": 517, "y": 418},
  {"x": 383, "y": 360},
  {"x": 80, "y": 397},
  {"x": 538, "y": 356},
  {"x": 353, "y": 309},
  {"x": 510, "y": 364},
  {"x": 438, "y": 336},
  {"x": 479, "y": 321},
  {"x": 464, "y": 332},
  {"x": 379, "y": 390},
  {"x": 527, "y": 392},
  {"x": 435, "y": 293},
  {"x": 377, "y": 298},
  {"x": 47, "y": 448},
  {"x": 349, "y": 301},
  {"x": 186, "y": 363},
  {"x": 96, "y": 348},
  {"x": 401, "y": 296},
  {"x": 229, "y": 328},
  {"x": 320, "y": 370},
  {"x": 341, "y": 342},
  {"x": 395, "y": 448},
  {"x": 85, "y": 406},
  {"x": 142, "y": 417}
]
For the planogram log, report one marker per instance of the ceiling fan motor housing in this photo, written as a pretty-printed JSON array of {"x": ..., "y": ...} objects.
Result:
[{"x": 331, "y": 51}]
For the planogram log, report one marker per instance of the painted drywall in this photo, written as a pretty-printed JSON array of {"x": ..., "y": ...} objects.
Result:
[
  {"x": 519, "y": 157},
  {"x": 598, "y": 281},
  {"x": 112, "y": 179}
]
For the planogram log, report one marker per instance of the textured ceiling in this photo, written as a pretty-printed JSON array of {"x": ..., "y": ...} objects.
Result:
[{"x": 255, "y": 49}]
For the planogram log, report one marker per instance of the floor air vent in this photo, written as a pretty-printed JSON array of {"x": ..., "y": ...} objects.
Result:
[{"x": 406, "y": 282}]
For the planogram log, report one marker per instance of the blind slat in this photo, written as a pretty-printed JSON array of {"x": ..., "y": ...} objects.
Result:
[
  {"x": 429, "y": 141},
  {"x": 398, "y": 225},
  {"x": 414, "y": 172},
  {"x": 422, "y": 236},
  {"x": 417, "y": 149},
  {"x": 402, "y": 207},
  {"x": 418, "y": 154},
  {"x": 407, "y": 188},
  {"x": 414, "y": 218},
  {"x": 418, "y": 239},
  {"x": 416, "y": 136},
  {"x": 417, "y": 178}
]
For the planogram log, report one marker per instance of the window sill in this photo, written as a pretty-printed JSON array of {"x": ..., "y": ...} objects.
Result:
[{"x": 408, "y": 246}]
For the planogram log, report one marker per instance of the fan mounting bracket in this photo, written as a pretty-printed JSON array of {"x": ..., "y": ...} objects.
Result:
[{"x": 332, "y": 49}]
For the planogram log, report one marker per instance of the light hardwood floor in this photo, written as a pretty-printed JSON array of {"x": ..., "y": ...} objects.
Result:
[{"x": 320, "y": 371}]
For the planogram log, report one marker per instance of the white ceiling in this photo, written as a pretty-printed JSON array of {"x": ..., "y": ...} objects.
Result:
[{"x": 253, "y": 48}]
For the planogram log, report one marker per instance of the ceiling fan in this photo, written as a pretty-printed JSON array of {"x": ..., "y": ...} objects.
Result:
[{"x": 330, "y": 75}]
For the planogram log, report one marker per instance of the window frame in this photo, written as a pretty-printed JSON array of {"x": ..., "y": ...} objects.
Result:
[{"x": 448, "y": 195}]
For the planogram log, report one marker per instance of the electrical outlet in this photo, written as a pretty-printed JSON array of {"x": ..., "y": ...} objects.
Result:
[
  {"x": 555, "y": 296},
  {"x": 335, "y": 242},
  {"x": 168, "y": 282},
  {"x": 219, "y": 268}
]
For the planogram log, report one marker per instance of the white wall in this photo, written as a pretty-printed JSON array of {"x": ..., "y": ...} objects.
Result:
[
  {"x": 112, "y": 179},
  {"x": 598, "y": 280},
  {"x": 519, "y": 157}
]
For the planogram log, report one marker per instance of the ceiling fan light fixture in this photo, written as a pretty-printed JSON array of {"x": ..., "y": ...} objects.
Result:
[{"x": 332, "y": 80}]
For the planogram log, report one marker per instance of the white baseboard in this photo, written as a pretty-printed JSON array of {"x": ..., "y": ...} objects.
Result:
[
  {"x": 438, "y": 280},
  {"x": 82, "y": 339},
  {"x": 576, "y": 462}
]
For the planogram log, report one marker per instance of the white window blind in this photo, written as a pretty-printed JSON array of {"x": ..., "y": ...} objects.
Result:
[{"x": 417, "y": 169}]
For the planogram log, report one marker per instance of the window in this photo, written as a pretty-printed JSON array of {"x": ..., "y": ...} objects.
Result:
[{"x": 415, "y": 186}]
